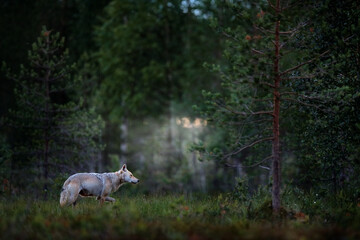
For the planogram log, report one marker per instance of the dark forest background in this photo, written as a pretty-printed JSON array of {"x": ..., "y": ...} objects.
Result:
[{"x": 176, "y": 89}]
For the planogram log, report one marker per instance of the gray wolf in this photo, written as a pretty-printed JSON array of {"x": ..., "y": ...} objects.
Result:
[{"x": 98, "y": 185}]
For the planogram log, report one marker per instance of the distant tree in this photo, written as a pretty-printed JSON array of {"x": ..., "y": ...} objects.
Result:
[
  {"x": 136, "y": 53},
  {"x": 56, "y": 132},
  {"x": 147, "y": 57},
  {"x": 137, "y": 47},
  {"x": 74, "y": 20}
]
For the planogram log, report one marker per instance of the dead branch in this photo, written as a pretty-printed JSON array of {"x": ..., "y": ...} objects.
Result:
[
  {"x": 251, "y": 121},
  {"x": 230, "y": 36},
  {"x": 242, "y": 113},
  {"x": 267, "y": 84},
  {"x": 300, "y": 77},
  {"x": 295, "y": 29},
  {"x": 289, "y": 38},
  {"x": 262, "y": 30},
  {"x": 249, "y": 166},
  {"x": 302, "y": 64},
  {"x": 321, "y": 72},
  {"x": 258, "y": 113},
  {"x": 257, "y": 51},
  {"x": 290, "y": 6},
  {"x": 264, "y": 167},
  {"x": 262, "y": 112},
  {"x": 263, "y": 100},
  {"x": 303, "y": 103},
  {"x": 346, "y": 39},
  {"x": 303, "y": 96},
  {"x": 247, "y": 146}
]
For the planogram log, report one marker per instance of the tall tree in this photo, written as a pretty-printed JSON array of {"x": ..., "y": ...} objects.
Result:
[
  {"x": 55, "y": 130},
  {"x": 264, "y": 59}
]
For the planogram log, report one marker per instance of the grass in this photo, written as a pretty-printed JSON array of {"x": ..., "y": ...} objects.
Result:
[{"x": 156, "y": 217}]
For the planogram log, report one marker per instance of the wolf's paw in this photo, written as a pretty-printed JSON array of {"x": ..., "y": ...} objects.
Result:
[{"x": 110, "y": 199}]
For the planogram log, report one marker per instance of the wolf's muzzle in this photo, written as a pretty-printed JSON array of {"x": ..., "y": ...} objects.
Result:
[{"x": 135, "y": 182}]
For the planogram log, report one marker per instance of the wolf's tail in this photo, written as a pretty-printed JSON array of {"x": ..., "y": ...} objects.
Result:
[{"x": 64, "y": 195}]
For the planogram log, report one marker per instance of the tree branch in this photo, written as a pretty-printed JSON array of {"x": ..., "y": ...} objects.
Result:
[
  {"x": 242, "y": 113},
  {"x": 264, "y": 167},
  {"x": 300, "y": 77},
  {"x": 303, "y": 103},
  {"x": 230, "y": 36},
  {"x": 262, "y": 30},
  {"x": 267, "y": 84},
  {"x": 272, "y": 6},
  {"x": 302, "y": 96},
  {"x": 248, "y": 146},
  {"x": 302, "y": 64},
  {"x": 250, "y": 166},
  {"x": 257, "y": 51}
]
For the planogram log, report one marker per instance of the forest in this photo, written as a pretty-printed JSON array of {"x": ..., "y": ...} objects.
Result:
[{"x": 240, "y": 118}]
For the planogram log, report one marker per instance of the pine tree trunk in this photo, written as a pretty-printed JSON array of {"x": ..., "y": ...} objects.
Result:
[{"x": 276, "y": 171}]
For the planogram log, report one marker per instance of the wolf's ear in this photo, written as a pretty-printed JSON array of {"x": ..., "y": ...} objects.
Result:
[{"x": 123, "y": 167}]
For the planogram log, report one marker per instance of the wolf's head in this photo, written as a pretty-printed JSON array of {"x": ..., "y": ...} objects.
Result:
[{"x": 127, "y": 176}]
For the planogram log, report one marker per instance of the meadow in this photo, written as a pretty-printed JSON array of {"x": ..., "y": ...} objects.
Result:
[{"x": 171, "y": 216}]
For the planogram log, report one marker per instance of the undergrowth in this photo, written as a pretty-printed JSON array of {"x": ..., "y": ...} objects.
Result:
[{"x": 172, "y": 216}]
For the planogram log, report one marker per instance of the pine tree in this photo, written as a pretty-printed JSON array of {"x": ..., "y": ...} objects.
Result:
[
  {"x": 265, "y": 57},
  {"x": 55, "y": 132}
]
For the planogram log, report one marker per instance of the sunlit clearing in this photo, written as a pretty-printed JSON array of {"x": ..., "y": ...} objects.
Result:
[{"x": 186, "y": 123}]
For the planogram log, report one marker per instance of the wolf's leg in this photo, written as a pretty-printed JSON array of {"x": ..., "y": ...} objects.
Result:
[
  {"x": 73, "y": 198},
  {"x": 109, "y": 199},
  {"x": 64, "y": 197},
  {"x": 102, "y": 200},
  {"x": 73, "y": 190},
  {"x": 106, "y": 190}
]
